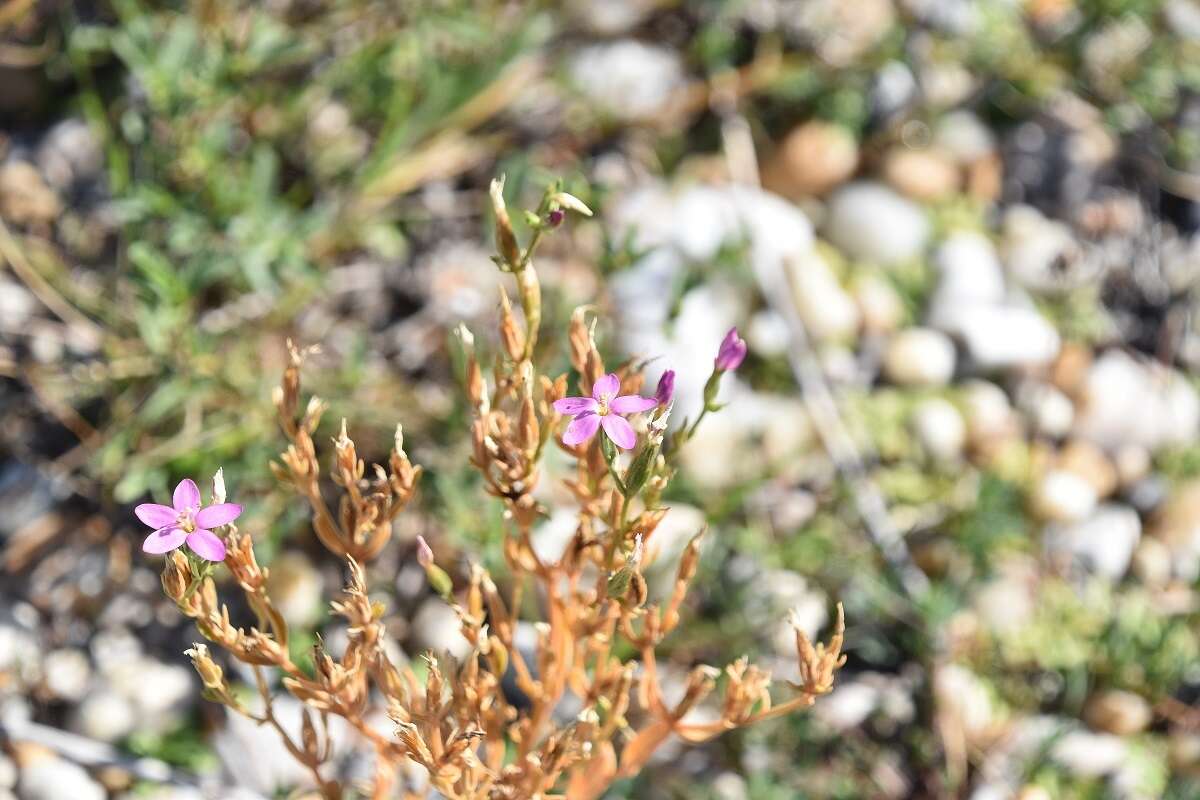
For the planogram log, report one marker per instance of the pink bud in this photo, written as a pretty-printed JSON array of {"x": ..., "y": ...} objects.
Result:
[
  {"x": 666, "y": 388},
  {"x": 732, "y": 351},
  {"x": 424, "y": 552}
]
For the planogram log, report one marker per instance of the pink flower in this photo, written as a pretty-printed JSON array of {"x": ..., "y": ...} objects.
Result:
[
  {"x": 732, "y": 351},
  {"x": 602, "y": 409},
  {"x": 186, "y": 522},
  {"x": 666, "y": 388}
]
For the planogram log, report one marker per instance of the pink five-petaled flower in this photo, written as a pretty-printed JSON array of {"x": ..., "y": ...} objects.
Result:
[
  {"x": 187, "y": 522},
  {"x": 603, "y": 409},
  {"x": 732, "y": 351}
]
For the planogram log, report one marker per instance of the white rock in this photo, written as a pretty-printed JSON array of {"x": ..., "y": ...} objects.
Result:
[
  {"x": 1103, "y": 543},
  {"x": 872, "y": 223},
  {"x": 1064, "y": 496},
  {"x": 1090, "y": 755},
  {"x": 967, "y": 699},
  {"x": 1035, "y": 248},
  {"x": 969, "y": 273},
  {"x": 920, "y": 357},
  {"x": 550, "y": 538},
  {"x": 987, "y": 410},
  {"x": 436, "y": 627},
  {"x": 940, "y": 428},
  {"x": 8, "y": 773},
  {"x": 1128, "y": 402},
  {"x": 827, "y": 309},
  {"x": 848, "y": 705},
  {"x": 66, "y": 674},
  {"x": 1008, "y": 336},
  {"x": 1051, "y": 411},
  {"x": 672, "y": 535},
  {"x": 768, "y": 334},
  {"x": 105, "y": 715},
  {"x": 56, "y": 779},
  {"x": 879, "y": 303},
  {"x": 296, "y": 588},
  {"x": 257, "y": 760},
  {"x": 964, "y": 135},
  {"x": 627, "y": 78}
]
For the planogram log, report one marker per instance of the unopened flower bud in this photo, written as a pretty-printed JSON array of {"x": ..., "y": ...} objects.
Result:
[
  {"x": 424, "y": 553},
  {"x": 666, "y": 388},
  {"x": 506, "y": 240},
  {"x": 731, "y": 352}
]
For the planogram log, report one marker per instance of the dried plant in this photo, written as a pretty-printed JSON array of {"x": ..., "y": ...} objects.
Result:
[{"x": 472, "y": 737}]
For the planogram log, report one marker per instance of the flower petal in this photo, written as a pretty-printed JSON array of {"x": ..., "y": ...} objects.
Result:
[
  {"x": 619, "y": 431},
  {"x": 164, "y": 540},
  {"x": 156, "y": 516},
  {"x": 218, "y": 515},
  {"x": 575, "y": 405},
  {"x": 632, "y": 404},
  {"x": 206, "y": 545},
  {"x": 581, "y": 429},
  {"x": 609, "y": 385},
  {"x": 187, "y": 495}
]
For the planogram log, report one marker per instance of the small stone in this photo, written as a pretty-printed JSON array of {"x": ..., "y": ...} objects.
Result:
[
  {"x": 872, "y": 223},
  {"x": 24, "y": 196},
  {"x": 1177, "y": 526},
  {"x": 1008, "y": 336},
  {"x": 848, "y": 705},
  {"x": 1063, "y": 496},
  {"x": 8, "y": 773},
  {"x": 923, "y": 175},
  {"x": 436, "y": 627},
  {"x": 815, "y": 157},
  {"x": 919, "y": 357},
  {"x": 879, "y": 303},
  {"x": 968, "y": 701},
  {"x": 105, "y": 715},
  {"x": 989, "y": 415},
  {"x": 66, "y": 674},
  {"x": 296, "y": 588},
  {"x": 941, "y": 429},
  {"x": 627, "y": 78},
  {"x": 1049, "y": 409},
  {"x": 969, "y": 273},
  {"x": 964, "y": 136},
  {"x": 768, "y": 334},
  {"x": 1152, "y": 563},
  {"x": 1133, "y": 463},
  {"x": 1130, "y": 402},
  {"x": 1037, "y": 249},
  {"x": 52, "y": 778},
  {"x": 1103, "y": 543},
  {"x": 1089, "y": 755},
  {"x": 1090, "y": 463},
  {"x": 1118, "y": 712},
  {"x": 827, "y": 309},
  {"x": 1183, "y": 750}
]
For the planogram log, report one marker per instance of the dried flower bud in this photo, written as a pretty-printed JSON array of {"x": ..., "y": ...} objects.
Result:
[
  {"x": 506, "y": 240},
  {"x": 510, "y": 334},
  {"x": 210, "y": 672},
  {"x": 571, "y": 203},
  {"x": 219, "y": 486}
]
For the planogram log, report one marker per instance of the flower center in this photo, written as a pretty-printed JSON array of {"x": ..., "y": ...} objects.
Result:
[
  {"x": 603, "y": 404},
  {"x": 186, "y": 522}
]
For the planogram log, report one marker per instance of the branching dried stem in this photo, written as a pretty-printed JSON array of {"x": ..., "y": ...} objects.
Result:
[{"x": 474, "y": 740}]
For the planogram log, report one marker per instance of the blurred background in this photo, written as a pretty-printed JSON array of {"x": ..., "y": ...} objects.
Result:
[{"x": 987, "y": 213}]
